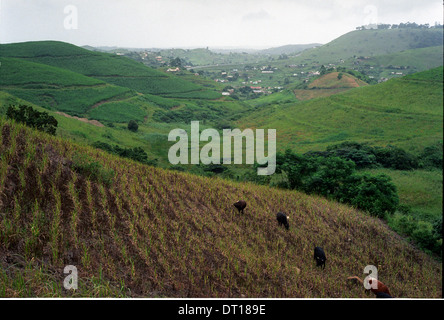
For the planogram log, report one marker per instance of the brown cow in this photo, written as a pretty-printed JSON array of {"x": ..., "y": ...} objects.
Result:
[
  {"x": 240, "y": 205},
  {"x": 380, "y": 288}
]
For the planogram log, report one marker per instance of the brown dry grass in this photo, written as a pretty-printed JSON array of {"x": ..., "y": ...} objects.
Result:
[{"x": 157, "y": 233}]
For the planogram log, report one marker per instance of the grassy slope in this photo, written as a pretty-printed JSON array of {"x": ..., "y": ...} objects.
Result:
[
  {"x": 113, "y": 69},
  {"x": 57, "y": 88},
  {"x": 104, "y": 87},
  {"x": 419, "y": 189},
  {"x": 150, "y": 137},
  {"x": 406, "y": 112},
  {"x": 157, "y": 233},
  {"x": 372, "y": 43},
  {"x": 420, "y": 59}
]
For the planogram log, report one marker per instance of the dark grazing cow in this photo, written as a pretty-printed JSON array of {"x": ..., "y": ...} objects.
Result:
[
  {"x": 383, "y": 295},
  {"x": 282, "y": 219},
  {"x": 319, "y": 256},
  {"x": 240, "y": 205}
]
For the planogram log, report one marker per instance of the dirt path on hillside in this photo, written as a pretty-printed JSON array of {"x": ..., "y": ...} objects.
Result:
[{"x": 93, "y": 122}]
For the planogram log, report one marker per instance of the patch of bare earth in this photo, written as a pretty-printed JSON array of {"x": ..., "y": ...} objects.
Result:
[{"x": 93, "y": 122}]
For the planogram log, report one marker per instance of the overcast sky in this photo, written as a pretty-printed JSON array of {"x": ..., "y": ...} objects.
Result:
[{"x": 202, "y": 23}]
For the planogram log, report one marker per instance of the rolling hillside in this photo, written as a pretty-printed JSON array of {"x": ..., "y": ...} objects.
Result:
[
  {"x": 106, "y": 87},
  {"x": 406, "y": 112},
  {"x": 56, "y": 88},
  {"x": 411, "y": 60},
  {"x": 110, "y": 68},
  {"x": 138, "y": 231},
  {"x": 372, "y": 42},
  {"x": 289, "y": 49}
]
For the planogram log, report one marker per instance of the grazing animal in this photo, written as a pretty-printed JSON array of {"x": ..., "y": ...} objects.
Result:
[
  {"x": 282, "y": 219},
  {"x": 381, "y": 289},
  {"x": 319, "y": 256},
  {"x": 240, "y": 205},
  {"x": 383, "y": 295}
]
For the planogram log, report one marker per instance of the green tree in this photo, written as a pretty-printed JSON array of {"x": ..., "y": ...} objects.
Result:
[
  {"x": 322, "y": 70},
  {"x": 329, "y": 176},
  {"x": 133, "y": 126},
  {"x": 41, "y": 121},
  {"x": 176, "y": 62},
  {"x": 375, "y": 194}
]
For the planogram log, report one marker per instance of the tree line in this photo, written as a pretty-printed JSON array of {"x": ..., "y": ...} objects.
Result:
[{"x": 410, "y": 25}]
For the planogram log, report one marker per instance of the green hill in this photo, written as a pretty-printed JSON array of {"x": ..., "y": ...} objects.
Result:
[
  {"x": 406, "y": 112},
  {"x": 288, "y": 49},
  {"x": 110, "y": 68},
  {"x": 370, "y": 43},
  {"x": 106, "y": 87},
  {"x": 411, "y": 60},
  {"x": 136, "y": 231},
  {"x": 56, "y": 88}
]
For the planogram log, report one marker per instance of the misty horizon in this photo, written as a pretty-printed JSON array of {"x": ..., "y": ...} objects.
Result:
[{"x": 188, "y": 24}]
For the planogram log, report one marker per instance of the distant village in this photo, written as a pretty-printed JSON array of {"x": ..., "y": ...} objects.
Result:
[{"x": 253, "y": 76}]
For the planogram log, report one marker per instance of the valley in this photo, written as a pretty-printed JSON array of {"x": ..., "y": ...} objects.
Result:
[{"x": 107, "y": 199}]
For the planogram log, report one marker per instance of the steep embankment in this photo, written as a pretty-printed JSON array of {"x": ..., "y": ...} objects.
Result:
[{"x": 154, "y": 233}]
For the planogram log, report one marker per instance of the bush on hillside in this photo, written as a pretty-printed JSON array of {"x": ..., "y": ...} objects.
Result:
[
  {"x": 41, "y": 121},
  {"x": 133, "y": 126},
  {"x": 136, "y": 154},
  {"x": 84, "y": 165},
  {"x": 376, "y": 195},
  {"x": 336, "y": 178},
  {"x": 432, "y": 156},
  {"x": 365, "y": 156},
  {"x": 395, "y": 158}
]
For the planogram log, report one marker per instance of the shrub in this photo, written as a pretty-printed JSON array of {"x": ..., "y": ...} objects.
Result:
[
  {"x": 91, "y": 169},
  {"x": 376, "y": 195},
  {"x": 395, "y": 158},
  {"x": 432, "y": 156},
  {"x": 423, "y": 235},
  {"x": 329, "y": 175},
  {"x": 437, "y": 227},
  {"x": 133, "y": 126},
  {"x": 336, "y": 178},
  {"x": 365, "y": 156},
  {"x": 405, "y": 224},
  {"x": 41, "y": 121},
  {"x": 136, "y": 154}
]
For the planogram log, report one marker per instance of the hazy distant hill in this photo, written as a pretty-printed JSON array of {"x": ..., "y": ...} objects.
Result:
[
  {"x": 289, "y": 49},
  {"x": 372, "y": 42}
]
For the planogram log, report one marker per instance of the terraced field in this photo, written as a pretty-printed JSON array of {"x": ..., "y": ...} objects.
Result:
[{"x": 134, "y": 230}]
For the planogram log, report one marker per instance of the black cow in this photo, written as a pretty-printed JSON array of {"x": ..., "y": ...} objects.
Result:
[
  {"x": 319, "y": 256},
  {"x": 383, "y": 295},
  {"x": 240, "y": 205},
  {"x": 282, "y": 219}
]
